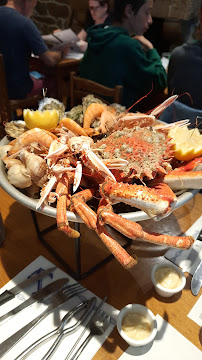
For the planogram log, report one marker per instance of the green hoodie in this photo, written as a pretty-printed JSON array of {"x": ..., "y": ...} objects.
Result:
[{"x": 114, "y": 58}]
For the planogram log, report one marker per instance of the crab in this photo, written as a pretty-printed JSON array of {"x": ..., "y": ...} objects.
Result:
[{"x": 117, "y": 168}]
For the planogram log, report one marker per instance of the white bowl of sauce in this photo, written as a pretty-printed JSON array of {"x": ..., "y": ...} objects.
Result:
[
  {"x": 168, "y": 279},
  {"x": 137, "y": 325}
]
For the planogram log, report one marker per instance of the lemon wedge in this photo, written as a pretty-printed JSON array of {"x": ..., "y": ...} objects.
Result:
[
  {"x": 187, "y": 144},
  {"x": 47, "y": 119}
]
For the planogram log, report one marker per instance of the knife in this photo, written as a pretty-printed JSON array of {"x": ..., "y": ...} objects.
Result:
[
  {"x": 10, "y": 294},
  {"x": 196, "y": 282},
  {"x": 41, "y": 294}
]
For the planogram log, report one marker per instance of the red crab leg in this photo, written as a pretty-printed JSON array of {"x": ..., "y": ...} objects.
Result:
[
  {"x": 62, "y": 222},
  {"x": 191, "y": 165},
  {"x": 138, "y": 196},
  {"x": 82, "y": 209},
  {"x": 90, "y": 219},
  {"x": 184, "y": 179},
  {"x": 134, "y": 231},
  {"x": 116, "y": 249}
]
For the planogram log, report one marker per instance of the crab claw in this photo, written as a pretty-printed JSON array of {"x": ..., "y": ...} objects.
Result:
[{"x": 155, "y": 205}]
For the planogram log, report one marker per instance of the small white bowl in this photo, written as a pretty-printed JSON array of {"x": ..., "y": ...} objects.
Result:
[
  {"x": 161, "y": 290},
  {"x": 142, "y": 310}
]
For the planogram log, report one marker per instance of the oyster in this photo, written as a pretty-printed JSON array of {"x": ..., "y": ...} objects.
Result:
[
  {"x": 51, "y": 104},
  {"x": 15, "y": 128}
]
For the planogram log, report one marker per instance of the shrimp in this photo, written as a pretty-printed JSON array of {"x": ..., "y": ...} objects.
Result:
[
  {"x": 93, "y": 111},
  {"x": 72, "y": 126},
  {"x": 107, "y": 119},
  {"x": 35, "y": 135}
]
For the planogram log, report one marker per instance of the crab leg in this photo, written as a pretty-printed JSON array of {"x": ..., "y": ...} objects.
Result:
[
  {"x": 191, "y": 165},
  {"x": 138, "y": 196},
  {"x": 82, "y": 209},
  {"x": 90, "y": 219},
  {"x": 178, "y": 180},
  {"x": 126, "y": 260},
  {"x": 134, "y": 231},
  {"x": 62, "y": 222}
]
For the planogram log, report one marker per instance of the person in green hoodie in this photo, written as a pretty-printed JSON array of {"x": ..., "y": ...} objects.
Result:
[{"x": 119, "y": 54}]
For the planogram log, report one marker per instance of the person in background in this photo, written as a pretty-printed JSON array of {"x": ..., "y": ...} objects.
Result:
[
  {"x": 99, "y": 13},
  {"x": 19, "y": 38},
  {"x": 120, "y": 54},
  {"x": 185, "y": 71}
]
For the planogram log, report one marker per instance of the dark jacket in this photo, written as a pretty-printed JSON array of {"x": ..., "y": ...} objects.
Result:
[
  {"x": 185, "y": 74},
  {"x": 19, "y": 38},
  {"x": 114, "y": 58}
]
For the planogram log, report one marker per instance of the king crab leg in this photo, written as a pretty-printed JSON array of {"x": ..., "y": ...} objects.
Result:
[
  {"x": 90, "y": 219},
  {"x": 62, "y": 191},
  {"x": 134, "y": 231},
  {"x": 178, "y": 180}
]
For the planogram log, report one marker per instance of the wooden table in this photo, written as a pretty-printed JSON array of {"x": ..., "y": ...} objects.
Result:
[
  {"x": 60, "y": 72},
  {"x": 122, "y": 287}
]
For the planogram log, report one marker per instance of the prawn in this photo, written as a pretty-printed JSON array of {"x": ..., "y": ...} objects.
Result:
[
  {"x": 72, "y": 126},
  {"x": 35, "y": 135},
  {"x": 93, "y": 111}
]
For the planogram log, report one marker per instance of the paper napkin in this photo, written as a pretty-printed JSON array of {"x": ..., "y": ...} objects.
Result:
[
  {"x": 168, "y": 344},
  {"x": 188, "y": 260},
  {"x": 196, "y": 312},
  {"x": 49, "y": 323}
]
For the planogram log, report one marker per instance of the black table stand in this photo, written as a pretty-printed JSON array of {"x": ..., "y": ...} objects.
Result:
[{"x": 77, "y": 275}]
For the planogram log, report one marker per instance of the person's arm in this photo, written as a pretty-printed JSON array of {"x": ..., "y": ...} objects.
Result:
[
  {"x": 51, "y": 58},
  {"x": 82, "y": 35},
  {"x": 146, "y": 44},
  {"x": 145, "y": 67}
]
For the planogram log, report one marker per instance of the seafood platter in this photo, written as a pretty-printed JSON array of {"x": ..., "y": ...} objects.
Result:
[{"x": 104, "y": 166}]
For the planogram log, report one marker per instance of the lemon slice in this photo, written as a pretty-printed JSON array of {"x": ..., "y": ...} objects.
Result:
[
  {"x": 47, "y": 119},
  {"x": 187, "y": 144}
]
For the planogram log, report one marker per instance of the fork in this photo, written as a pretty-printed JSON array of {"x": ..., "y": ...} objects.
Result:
[
  {"x": 98, "y": 327},
  {"x": 66, "y": 293},
  {"x": 61, "y": 330}
]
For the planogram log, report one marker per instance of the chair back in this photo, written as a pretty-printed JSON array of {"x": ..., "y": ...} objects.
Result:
[
  {"x": 80, "y": 87},
  {"x": 8, "y": 106}
]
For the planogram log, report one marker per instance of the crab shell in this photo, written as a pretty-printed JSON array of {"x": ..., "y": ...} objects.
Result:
[{"x": 147, "y": 151}]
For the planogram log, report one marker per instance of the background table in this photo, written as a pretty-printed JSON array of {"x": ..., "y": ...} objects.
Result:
[{"x": 60, "y": 72}]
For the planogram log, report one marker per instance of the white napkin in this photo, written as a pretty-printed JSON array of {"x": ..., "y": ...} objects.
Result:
[
  {"x": 51, "y": 321},
  {"x": 188, "y": 260},
  {"x": 196, "y": 312},
  {"x": 168, "y": 344}
]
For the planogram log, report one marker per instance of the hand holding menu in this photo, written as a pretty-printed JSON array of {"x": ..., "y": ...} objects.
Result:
[{"x": 61, "y": 38}]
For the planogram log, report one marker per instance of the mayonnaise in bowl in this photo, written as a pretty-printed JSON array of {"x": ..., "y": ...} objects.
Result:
[
  {"x": 168, "y": 279},
  {"x": 137, "y": 325}
]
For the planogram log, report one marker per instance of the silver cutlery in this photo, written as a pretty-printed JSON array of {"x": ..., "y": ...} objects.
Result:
[
  {"x": 69, "y": 331},
  {"x": 98, "y": 326},
  {"x": 39, "y": 295},
  {"x": 11, "y": 293},
  {"x": 196, "y": 281},
  {"x": 58, "y": 299},
  {"x": 61, "y": 331},
  {"x": 86, "y": 327}
]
